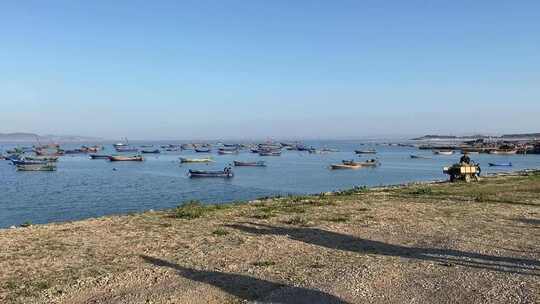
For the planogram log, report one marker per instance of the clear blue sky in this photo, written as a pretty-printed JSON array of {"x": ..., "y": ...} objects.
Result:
[{"x": 254, "y": 68}]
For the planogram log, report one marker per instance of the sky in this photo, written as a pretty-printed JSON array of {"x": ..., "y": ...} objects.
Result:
[{"x": 269, "y": 69}]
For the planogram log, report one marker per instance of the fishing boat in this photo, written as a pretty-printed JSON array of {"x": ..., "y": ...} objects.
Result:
[
  {"x": 196, "y": 160},
  {"x": 369, "y": 163},
  {"x": 369, "y": 151},
  {"x": 75, "y": 151},
  {"x": 47, "y": 152},
  {"x": 249, "y": 164},
  {"x": 125, "y": 158},
  {"x": 444, "y": 152},
  {"x": 36, "y": 167},
  {"x": 255, "y": 150},
  {"x": 203, "y": 150},
  {"x": 227, "y": 151},
  {"x": 500, "y": 164},
  {"x": 126, "y": 148},
  {"x": 28, "y": 162},
  {"x": 270, "y": 153},
  {"x": 51, "y": 159},
  {"x": 419, "y": 157},
  {"x": 503, "y": 152},
  {"x": 227, "y": 173},
  {"x": 346, "y": 164},
  {"x": 99, "y": 156},
  {"x": 156, "y": 151},
  {"x": 329, "y": 150}
]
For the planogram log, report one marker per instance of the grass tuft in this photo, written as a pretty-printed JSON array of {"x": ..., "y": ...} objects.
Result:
[
  {"x": 422, "y": 191},
  {"x": 220, "y": 232},
  {"x": 297, "y": 220},
  {"x": 354, "y": 190},
  {"x": 195, "y": 209},
  {"x": 26, "y": 224}
]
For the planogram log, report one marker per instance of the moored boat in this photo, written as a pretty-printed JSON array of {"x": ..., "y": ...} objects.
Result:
[
  {"x": 249, "y": 164},
  {"x": 203, "y": 150},
  {"x": 99, "y": 156},
  {"x": 368, "y": 151},
  {"x": 269, "y": 152},
  {"x": 503, "y": 152},
  {"x": 224, "y": 152},
  {"x": 126, "y": 148},
  {"x": 125, "y": 158},
  {"x": 369, "y": 163},
  {"x": 36, "y": 167},
  {"x": 51, "y": 159},
  {"x": 444, "y": 152},
  {"x": 29, "y": 162},
  {"x": 196, "y": 160},
  {"x": 346, "y": 164},
  {"x": 500, "y": 164},
  {"x": 156, "y": 151},
  {"x": 227, "y": 173},
  {"x": 419, "y": 157}
]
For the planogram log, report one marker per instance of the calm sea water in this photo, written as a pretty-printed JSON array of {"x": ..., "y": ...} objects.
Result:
[{"x": 84, "y": 188}]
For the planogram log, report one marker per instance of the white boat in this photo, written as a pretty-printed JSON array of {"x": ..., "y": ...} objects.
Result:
[
  {"x": 444, "y": 152},
  {"x": 196, "y": 160},
  {"x": 503, "y": 152}
]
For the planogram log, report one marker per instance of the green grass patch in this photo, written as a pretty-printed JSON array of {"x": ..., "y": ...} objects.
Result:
[
  {"x": 421, "y": 191},
  {"x": 220, "y": 232},
  {"x": 352, "y": 191},
  {"x": 196, "y": 209}
]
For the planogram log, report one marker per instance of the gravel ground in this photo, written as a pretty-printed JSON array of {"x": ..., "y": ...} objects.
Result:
[{"x": 428, "y": 243}]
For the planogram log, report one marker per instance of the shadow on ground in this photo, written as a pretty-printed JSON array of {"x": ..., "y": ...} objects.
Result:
[
  {"x": 249, "y": 288},
  {"x": 448, "y": 257},
  {"x": 533, "y": 222}
]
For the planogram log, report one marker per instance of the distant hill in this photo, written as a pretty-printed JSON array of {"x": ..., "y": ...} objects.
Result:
[
  {"x": 526, "y": 135},
  {"x": 443, "y": 137},
  {"x": 478, "y": 136},
  {"x": 31, "y": 137}
]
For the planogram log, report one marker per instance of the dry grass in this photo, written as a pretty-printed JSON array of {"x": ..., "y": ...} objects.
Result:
[{"x": 469, "y": 243}]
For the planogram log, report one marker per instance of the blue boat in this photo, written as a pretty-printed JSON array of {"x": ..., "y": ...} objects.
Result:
[
  {"x": 29, "y": 162},
  {"x": 500, "y": 164},
  {"x": 156, "y": 151}
]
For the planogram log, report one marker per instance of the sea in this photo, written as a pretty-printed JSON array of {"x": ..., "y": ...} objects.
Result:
[{"x": 82, "y": 188}]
